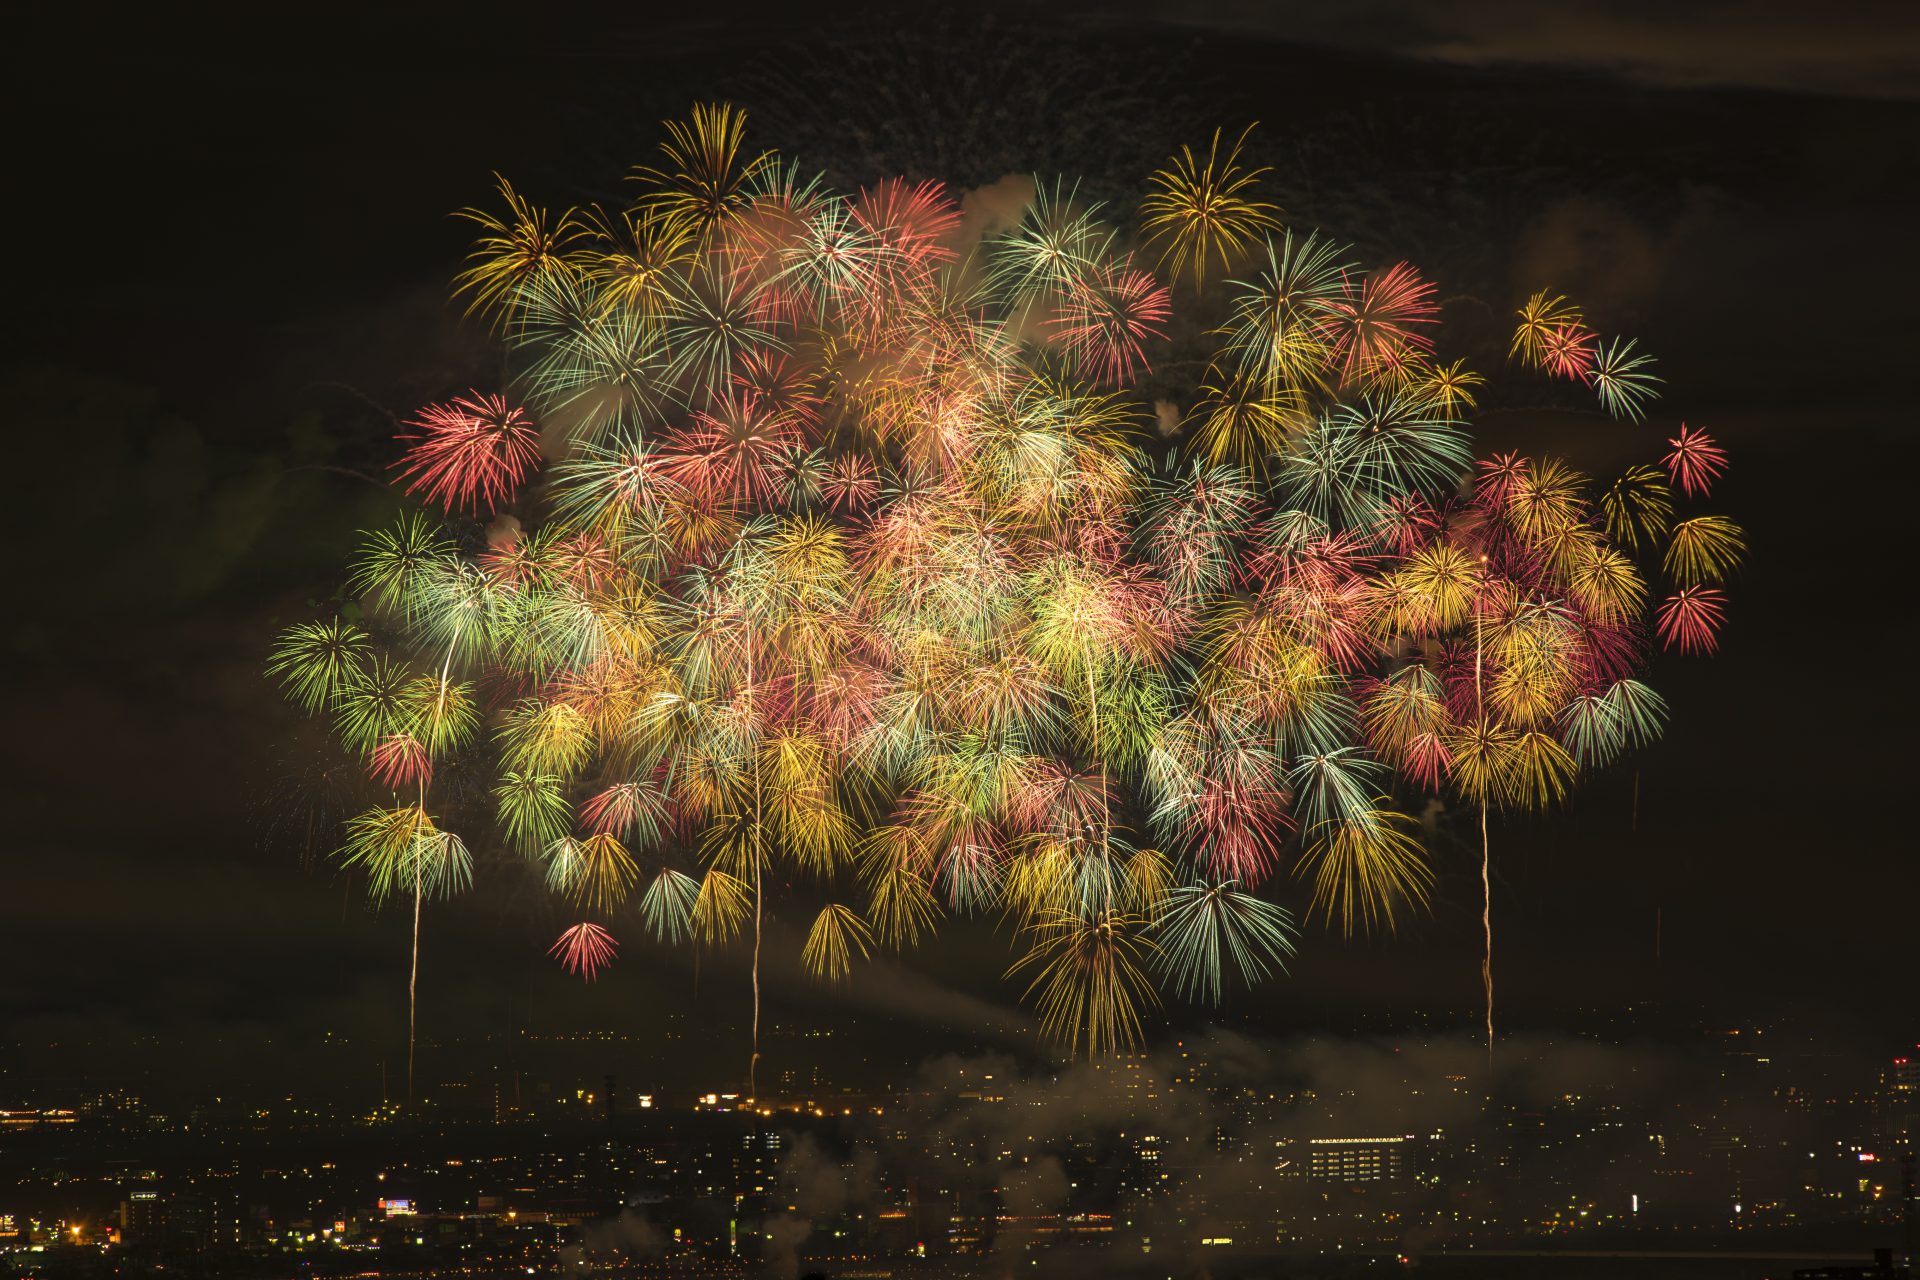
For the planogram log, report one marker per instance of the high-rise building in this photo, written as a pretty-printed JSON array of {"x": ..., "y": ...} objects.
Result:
[
  {"x": 1347, "y": 1160},
  {"x": 1899, "y": 1102},
  {"x": 143, "y": 1216}
]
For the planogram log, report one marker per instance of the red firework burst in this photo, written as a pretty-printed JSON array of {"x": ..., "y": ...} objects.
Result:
[
  {"x": 1696, "y": 461},
  {"x": 585, "y": 949},
  {"x": 1107, "y": 321},
  {"x": 1568, "y": 350},
  {"x": 400, "y": 762},
  {"x": 1690, "y": 620},
  {"x": 1379, "y": 326},
  {"x": 471, "y": 452},
  {"x": 914, "y": 219}
]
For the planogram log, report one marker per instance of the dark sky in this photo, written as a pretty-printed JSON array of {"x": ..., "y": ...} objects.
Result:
[{"x": 231, "y": 249}]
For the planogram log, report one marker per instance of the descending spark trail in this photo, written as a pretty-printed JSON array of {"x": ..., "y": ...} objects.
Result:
[
  {"x": 413, "y": 986},
  {"x": 759, "y": 900},
  {"x": 1486, "y": 925},
  {"x": 857, "y": 583},
  {"x": 1486, "y": 846}
]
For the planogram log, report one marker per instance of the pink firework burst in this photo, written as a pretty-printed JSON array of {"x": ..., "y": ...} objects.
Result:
[
  {"x": 585, "y": 949},
  {"x": 400, "y": 762},
  {"x": 1407, "y": 523},
  {"x": 471, "y": 453},
  {"x": 850, "y": 483},
  {"x": 1379, "y": 325},
  {"x": 1609, "y": 652},
  {"x": 914, "y": 219},
  {"x": 626, "y": 807},
  {"x": 1696, "y": 461},
  {"x": 1426, "y": 760},
  {"x": 1690, "y": 621},
  {"x": 1568, "y": 351},
  {"x": 584, "y": 561},
  {"x": 1238, "y": 820},
  {"x": 1112, "y": 313},
  {"x": 1498, "y": 477},
  {"x": 733, "y": 452},
  {"x": 782, "y": 386}
]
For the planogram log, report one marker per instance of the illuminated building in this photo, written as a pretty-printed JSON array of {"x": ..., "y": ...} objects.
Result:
[
  {"x": 1346, "y": 1160},
  {"x": 1899, "y": 1101},
  {"x": 143, "y": 1215}
]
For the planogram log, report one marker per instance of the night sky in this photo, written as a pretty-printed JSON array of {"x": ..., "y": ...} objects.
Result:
[{"x": 229, "y": 262}]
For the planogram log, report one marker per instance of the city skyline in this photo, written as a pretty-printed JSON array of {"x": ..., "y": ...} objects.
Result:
[{"x": 1746, "y": 1141}]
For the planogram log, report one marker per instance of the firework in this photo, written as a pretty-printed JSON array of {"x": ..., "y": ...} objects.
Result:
[
  {"x": 585, "y": 949},
  {"x": 855, "y": 587},
  {"x": 1621, "y": 379},
  {"x": 704, "y": 181},
  {"x": 1545, "y": 318},
  {"x": 471, "y": 453},
  {"x": 1201, "y": 212},
  {"x": 1696, "y": 461},
  {"x": 1690, "y": 619},
  {"x": 1377, "y": 328},
  {"x": 516, "y": 253}
]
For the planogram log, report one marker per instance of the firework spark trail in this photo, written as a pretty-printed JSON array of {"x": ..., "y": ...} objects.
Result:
[
  {"x": 759, "y": 899},
  {"x": 856, "y": 580},
  {"x": 1486, "y": 925},
  {"x": 1486, "y": 847},
  {"x": 413, "y": 984}
]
